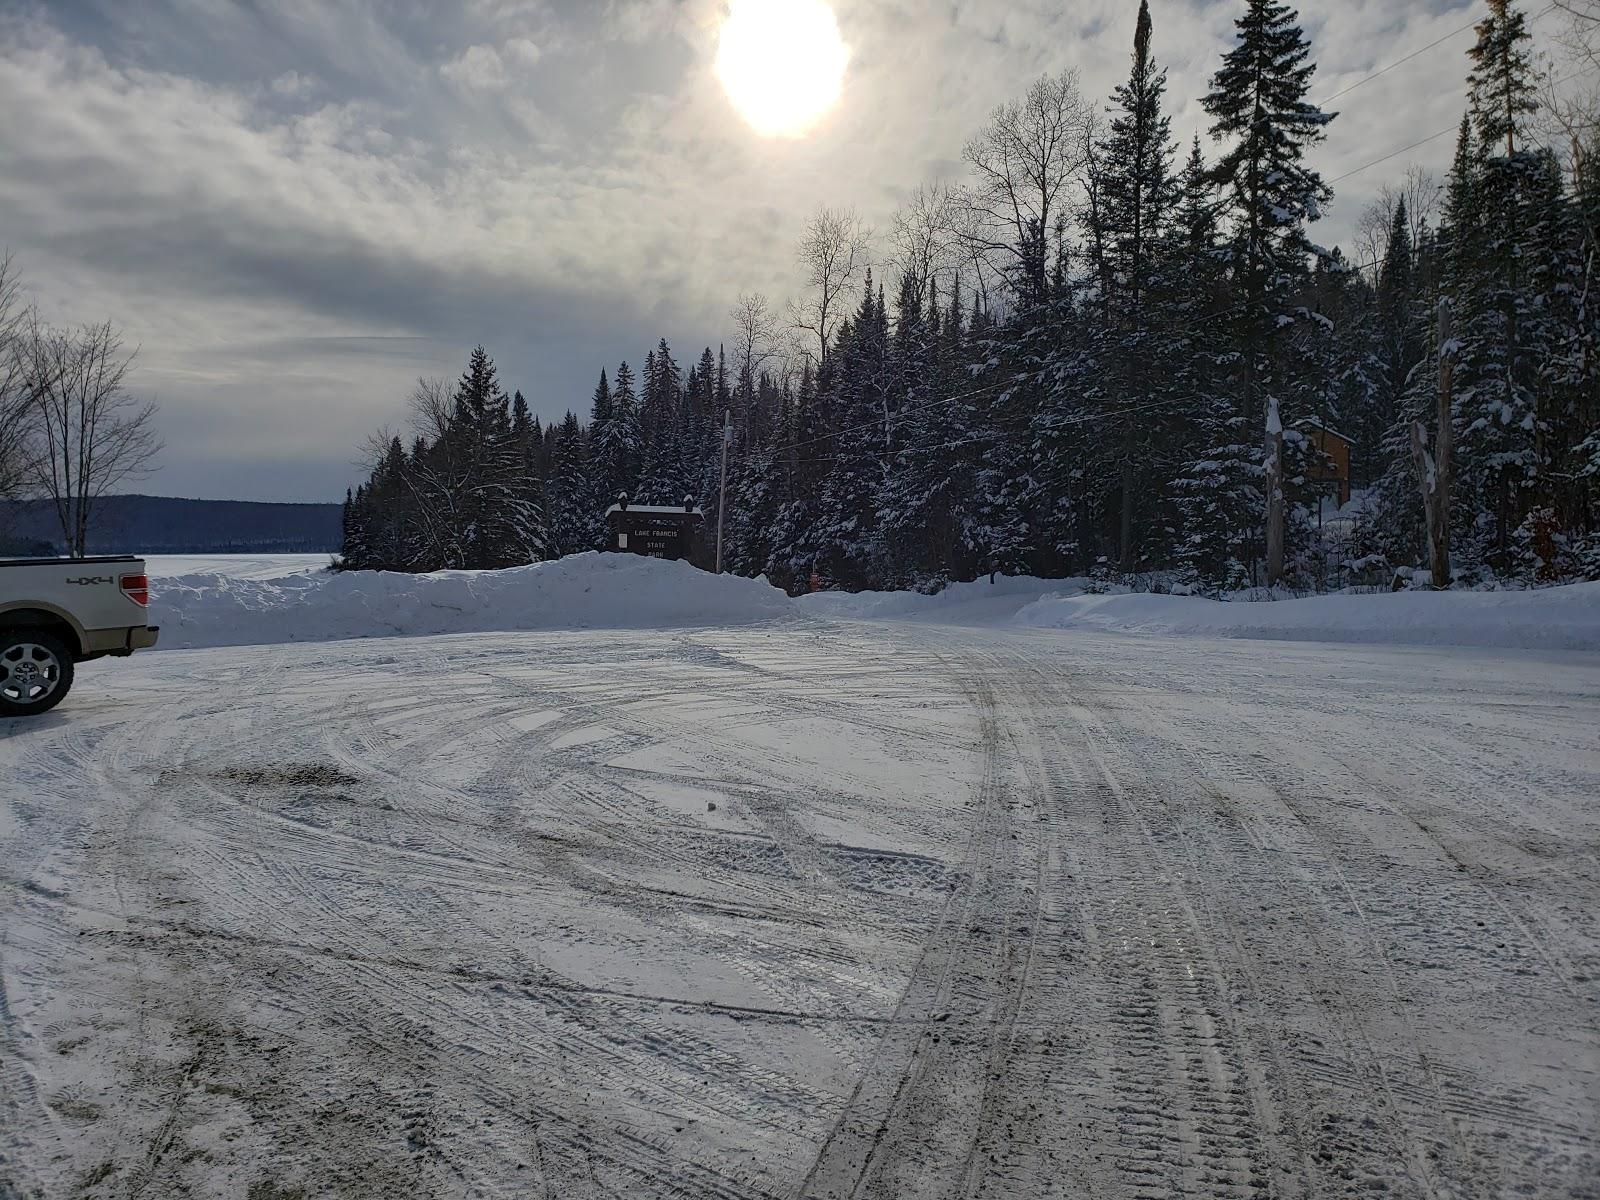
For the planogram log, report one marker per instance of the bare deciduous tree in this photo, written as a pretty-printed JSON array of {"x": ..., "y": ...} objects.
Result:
[
  {"x": 833, "y": 255},
  {"x": 1025, "y": 160},
  {"x": 1569, "y": 116},
  {"x": 438, "y": 484},
  {"x": 15, "y": 418},
  {"x": 1421, "y": 191},
  {"x": 755, "y": 332},
  {"x": 925, "y": 238},
  {"x": 1372, "y": 235},
  {"x": 89, "y": 434},
  {"x": 431, "y": 403}
]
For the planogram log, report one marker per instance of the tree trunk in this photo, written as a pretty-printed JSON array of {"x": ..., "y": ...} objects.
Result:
[
  {"x": 1433, "y": 505},
  {"x": 1127, "y": 499},
  {"x": 1439, "y": 518},
  {"x": 1275, "y": 513}
]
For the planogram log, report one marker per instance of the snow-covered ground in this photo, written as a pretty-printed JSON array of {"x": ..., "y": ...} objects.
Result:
[
  {"x": 803, "y": 907},
  {"x": 237, "y": 566}
]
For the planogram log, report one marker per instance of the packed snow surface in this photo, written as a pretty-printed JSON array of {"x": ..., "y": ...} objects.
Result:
[
  {"x": 585, "y": 591},
  {"x": 1559, "y": 618},
  {"x": 802, "y": 910}
]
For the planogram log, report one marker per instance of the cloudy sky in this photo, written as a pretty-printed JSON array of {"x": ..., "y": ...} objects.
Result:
[{"x": 295, "y": 207}]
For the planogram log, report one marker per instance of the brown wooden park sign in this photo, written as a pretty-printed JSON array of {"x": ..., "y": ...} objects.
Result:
[{"x": 654, "y": 530}]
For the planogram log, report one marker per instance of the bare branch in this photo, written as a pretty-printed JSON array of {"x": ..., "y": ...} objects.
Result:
[
  {"x": 90, "y": 435},
  {"x": 432, "y": 403},
  {"x": 926, "y": 239},
  {"x": 755, "y": 332},
  {"x": 16, "y": 416},
  {"x": 1569, "y": 92},
  {"x": 1024, "y": 160},
  {"x": 833, "y": 255}
]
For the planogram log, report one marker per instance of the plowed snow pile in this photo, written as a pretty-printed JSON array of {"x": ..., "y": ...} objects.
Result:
[
  {"x": 586, "y": 591},
  {"x": 1559, "y": 618}
]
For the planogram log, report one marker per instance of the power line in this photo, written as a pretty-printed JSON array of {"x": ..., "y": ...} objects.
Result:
[
  {"x": 991, "y": 435},
  {"x": 1011, "y": 381},
  {"x": 1417, "y": 54},
  {"x": 1432, "y": 137}
]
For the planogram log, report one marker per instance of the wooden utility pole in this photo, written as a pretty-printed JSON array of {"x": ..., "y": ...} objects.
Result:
[
  {"x": 722, "y": 488},
  {"x": 1433, "y": 471}
]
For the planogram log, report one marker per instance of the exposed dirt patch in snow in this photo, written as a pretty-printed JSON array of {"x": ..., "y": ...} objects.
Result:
[{"x": 292, "y": 775}]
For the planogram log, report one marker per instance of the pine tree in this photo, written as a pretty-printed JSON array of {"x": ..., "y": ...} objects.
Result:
[
  {"x": 1401, "y": 342},
  {"x": 845, "y": 537},
  {"x": 355, "y": 551},
  {"x": 1258, "y": 101},
  {"x": 1216, "y": 494},
  {"x": 501, "y": 524},
  {"x": 617, "y": 445},
  {"x": 662, "y": 478},
  {"x": 1503, "y": 340},
  {"x": 573, "y": 522},
  {"x": 1136, "y": 197}
]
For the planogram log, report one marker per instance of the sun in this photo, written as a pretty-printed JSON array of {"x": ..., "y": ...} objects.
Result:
[{"x": 782, "y": 63}]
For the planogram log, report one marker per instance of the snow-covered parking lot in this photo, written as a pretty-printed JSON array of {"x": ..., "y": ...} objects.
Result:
[{"x": 810, "y": 906}]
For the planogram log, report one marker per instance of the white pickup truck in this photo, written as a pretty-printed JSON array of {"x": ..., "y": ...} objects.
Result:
[{"x": 58, "y": 612}]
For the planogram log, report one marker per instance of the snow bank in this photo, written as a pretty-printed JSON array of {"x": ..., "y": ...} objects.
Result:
[
  {"x": 586, "y": 591},
  {"x": 979, "y": 603},
  {"x": 1561, "y": 618}
]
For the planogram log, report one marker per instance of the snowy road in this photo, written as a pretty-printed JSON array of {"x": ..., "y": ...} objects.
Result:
[{"x": 804, "y": 910}]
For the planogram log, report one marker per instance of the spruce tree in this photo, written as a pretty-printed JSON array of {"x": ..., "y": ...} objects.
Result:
[
  {"x": 1216, "y": 493},
  {"x": 616, "y": 449},
  {"x": 1258, "y": 106},
  {"x": 1504, "y": 341},
  {"x": 573, "y": 522},
  {"x": 1136, "y": 196}
]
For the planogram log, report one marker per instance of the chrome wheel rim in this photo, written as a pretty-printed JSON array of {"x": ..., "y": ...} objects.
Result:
[{"x": 29, "y": 673}]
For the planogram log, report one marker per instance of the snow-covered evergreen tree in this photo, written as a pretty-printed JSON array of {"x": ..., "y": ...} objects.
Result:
[{"x": 1259, "y": 110}]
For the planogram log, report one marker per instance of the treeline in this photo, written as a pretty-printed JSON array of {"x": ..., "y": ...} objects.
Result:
[{"x": 1110, "y": 359}]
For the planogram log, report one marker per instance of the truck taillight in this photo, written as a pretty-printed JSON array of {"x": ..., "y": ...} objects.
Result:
[{"x": 137, "y": 589}]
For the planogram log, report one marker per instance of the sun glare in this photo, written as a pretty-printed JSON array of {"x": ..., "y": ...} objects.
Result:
[{"x": 782, "y": 63}]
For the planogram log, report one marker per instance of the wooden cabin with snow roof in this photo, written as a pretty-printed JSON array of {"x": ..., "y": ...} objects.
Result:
[{"x": 1332, "y": 481}]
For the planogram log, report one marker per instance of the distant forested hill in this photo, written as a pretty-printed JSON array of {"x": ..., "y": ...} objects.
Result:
[{"x": 163, "y": 525}]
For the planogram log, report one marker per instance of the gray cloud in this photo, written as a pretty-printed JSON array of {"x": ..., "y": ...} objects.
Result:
[{"x": 296, "y": 206}]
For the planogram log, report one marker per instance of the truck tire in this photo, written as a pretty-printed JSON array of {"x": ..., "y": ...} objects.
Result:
[{"x": 35, "y": 672}]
